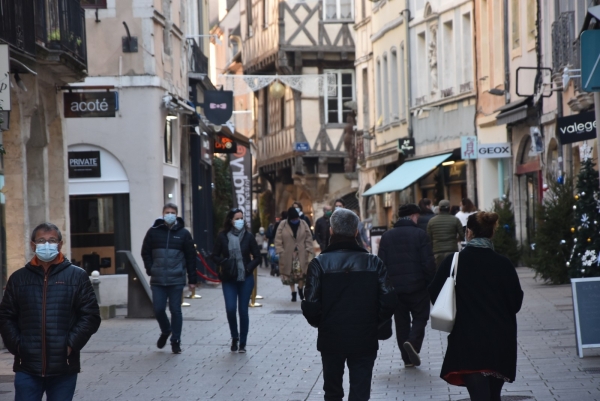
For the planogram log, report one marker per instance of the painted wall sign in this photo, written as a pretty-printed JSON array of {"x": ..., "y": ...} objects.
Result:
[
  {"x": 84, "y": 164},
  {"x": 4, "y": 78},
  {"x": 493, "y": 150},
  {"x": 575, "y": 128},
  {"x": 407, "y": 146},
  {"x": 468, "y": 147},
  {"x": 90, "y": 104},
  {"x": 224, "y": 144}
]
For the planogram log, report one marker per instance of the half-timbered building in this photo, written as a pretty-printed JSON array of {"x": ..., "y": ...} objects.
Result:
[{"x": 303, "y": 38}]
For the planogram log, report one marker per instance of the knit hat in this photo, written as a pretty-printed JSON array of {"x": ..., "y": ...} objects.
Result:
[
  {"x": 292, "y": 213},
  {"x": 444, "y": 204},
  {"x": 408, "y": 209}
]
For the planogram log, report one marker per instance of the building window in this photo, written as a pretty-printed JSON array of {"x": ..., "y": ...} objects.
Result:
[
  {"x": 422, "y": 70},
  {"x": 386, "y": 91},
  {"x": 335, "y": 110},
  {"x": 531, "y": 19},
  {"x": 467, "y": 53},
  {"x": 249, "y": 17},
  {"x": 93, "y": 3},
  {"x": 402, "y": 84},
  {"x": 515, "y": 20},
  {"x": 338, "y": 10},
  {"x": 394, "y": 83},
  {"x": 169, "y": 141},
  {"x": 265, "y": 13},
  {"x": 449, "y": 59},
  {"x": 379, "y": 92}
]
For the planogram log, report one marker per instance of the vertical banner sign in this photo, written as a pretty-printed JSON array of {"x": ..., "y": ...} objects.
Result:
[
  {"x": 468, "y": 147},
  {"x": 4, "y": 78},
  {"x": 240, "y": 164}
]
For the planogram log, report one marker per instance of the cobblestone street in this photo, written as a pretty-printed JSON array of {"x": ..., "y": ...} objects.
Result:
[{"x": 122, "y": 362}]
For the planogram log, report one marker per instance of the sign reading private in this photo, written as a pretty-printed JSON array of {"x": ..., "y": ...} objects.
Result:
[
  {"x": 576, "y": 128},
  {"x": 90, "y": 104},
  {"x": 84, "y": 164}
]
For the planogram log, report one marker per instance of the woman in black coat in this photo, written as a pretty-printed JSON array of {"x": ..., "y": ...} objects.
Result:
[
  {"x": 237, "y": 243},
  {"x": 482, "y": 347}
]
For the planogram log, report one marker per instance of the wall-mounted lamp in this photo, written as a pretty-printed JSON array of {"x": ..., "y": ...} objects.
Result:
[
  {"x": 448, "y": 163},
  {"x": 497, "y": 92},
  {"x": 171, "y": 118},
  {"x": 170, "y": 196}
]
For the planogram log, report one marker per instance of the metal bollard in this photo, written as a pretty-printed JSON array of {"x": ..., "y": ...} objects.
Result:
[{"x": 96, "y": 284}]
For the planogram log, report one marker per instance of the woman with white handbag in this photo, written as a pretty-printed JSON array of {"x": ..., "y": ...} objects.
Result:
[{"x": 482, "y": 345}]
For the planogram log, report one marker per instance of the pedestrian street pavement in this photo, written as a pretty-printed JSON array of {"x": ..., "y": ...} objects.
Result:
[{"x": 121, "y": 361}]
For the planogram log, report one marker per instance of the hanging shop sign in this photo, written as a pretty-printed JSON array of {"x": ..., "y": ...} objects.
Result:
[
  {"x": 576, "y": 128},
  {"x": 84, "y": 164},
  {"x": 375, "y": 234},
  {"x": 206, "y": 154},
  {"x": 468, "y": 147},
  {"x": 225, "y": 144},
  {"x": 493, "y": 150},
  {"x": 240, "y": 164},
  {"x": 218, "y": 106},
  {"x": 90, "y": 104},
  {"x": 4, "y": 78},
  {"x": 406, "y": 146}
]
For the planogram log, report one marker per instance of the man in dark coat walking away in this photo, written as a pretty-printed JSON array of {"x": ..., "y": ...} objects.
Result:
[
  {"x": 406, "y": 252},
  {"x": 444, "y": 231},
  {"x": 48, "y": 314},
  {"x": 322, "y": 226},
  {"x": 168, "y": 252},
  {"x": 348, "y": 295},
  {"x": 426, "y": 213}
]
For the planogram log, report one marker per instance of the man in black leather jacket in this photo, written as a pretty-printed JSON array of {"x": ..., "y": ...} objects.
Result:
[
  {"x": 407, "y": 253},
  {"x": 348, "y": 295},
  {"x": 47, "y": 315},
  {"x": 169, "y": 255}
]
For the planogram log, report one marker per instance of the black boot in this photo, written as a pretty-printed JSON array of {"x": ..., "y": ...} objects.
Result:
[
  {"x": 301, "y": 293},
  {"x": 272, "y": 271},
  {"x": 294, "y": 296},
  {"x": 234, "y": 344}
]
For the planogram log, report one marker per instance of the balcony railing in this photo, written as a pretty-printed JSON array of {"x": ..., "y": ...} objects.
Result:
[
  {"x": 17, "y": 25},
  {"x": 198, "y": 61},
  {"x": 55, "y": 24},
  {"x": 276, "y": 146},
  {"x": 565, "y": 49}
]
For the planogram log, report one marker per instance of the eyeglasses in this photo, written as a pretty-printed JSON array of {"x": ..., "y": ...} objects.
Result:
[{"x": 41, "y": 241}]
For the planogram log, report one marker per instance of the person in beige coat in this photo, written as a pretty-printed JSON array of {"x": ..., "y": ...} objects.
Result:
[{"x": 294, "y": 245}]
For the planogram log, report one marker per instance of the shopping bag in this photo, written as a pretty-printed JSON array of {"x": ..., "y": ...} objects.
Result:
[{"x": 443, "y": 313}]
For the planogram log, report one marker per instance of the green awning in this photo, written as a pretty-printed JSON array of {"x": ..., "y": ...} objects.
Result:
[{"x": 406, "y": 174}]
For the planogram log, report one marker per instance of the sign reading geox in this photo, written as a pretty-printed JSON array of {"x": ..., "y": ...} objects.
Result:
[
  {"x": 84, "y": 164},
  {"x": 493, "y": 150},
  {"x": 579, "y": 127},
  {"x": 90, "y": 104}
]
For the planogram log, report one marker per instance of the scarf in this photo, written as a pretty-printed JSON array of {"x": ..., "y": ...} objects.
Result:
[
  {"x": 481, "y": 242},
  {"x": 235, "y": 251}
]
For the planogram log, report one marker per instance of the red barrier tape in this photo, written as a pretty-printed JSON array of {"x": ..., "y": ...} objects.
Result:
[{"x": 207, "y": 269}]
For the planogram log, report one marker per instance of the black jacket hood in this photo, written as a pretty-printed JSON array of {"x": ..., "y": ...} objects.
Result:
[{"x": 160, "y": 223}]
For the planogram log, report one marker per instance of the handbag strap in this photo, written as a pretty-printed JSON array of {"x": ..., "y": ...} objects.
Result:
[{"x": 454, "y": 268}]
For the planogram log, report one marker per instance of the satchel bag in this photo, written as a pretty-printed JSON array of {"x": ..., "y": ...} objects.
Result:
[
  {"x": 228, "y": 270},
  {"x": 443, "y": 313}
]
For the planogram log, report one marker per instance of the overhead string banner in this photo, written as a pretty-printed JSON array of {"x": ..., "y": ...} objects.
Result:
[{"x": 309, "y": 85}]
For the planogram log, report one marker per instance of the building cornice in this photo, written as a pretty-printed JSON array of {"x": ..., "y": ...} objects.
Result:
[{"x": 393, "y": 24}]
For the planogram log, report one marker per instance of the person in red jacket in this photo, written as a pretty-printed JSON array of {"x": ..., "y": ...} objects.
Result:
[{"x": 48, "y": 313}]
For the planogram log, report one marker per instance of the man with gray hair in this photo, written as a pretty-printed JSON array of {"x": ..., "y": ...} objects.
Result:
[{"x": 348, "y": 296}]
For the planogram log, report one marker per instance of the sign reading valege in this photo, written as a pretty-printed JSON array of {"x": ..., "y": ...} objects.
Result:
[
  {"x": 84, "y": 164},
  {"x": 90, "y": 104},
  {"x": 579, "y": 127}
]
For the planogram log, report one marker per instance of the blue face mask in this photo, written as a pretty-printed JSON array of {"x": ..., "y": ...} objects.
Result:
[
  {"x": 46, "y": 252},
  {"x": 295, "y": 221},
  {"x": 238, "y": 224},
  {"x": 170, "y": 218}
]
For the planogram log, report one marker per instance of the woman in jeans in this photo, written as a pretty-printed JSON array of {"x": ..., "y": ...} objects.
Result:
[
  {"x": 482, "y": 347},
  {"x": 237, "y": 243}
]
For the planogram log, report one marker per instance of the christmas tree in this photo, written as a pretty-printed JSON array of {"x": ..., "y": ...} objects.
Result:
[
  {"x": 584, "y": 260},
  {"x": 553, "y": 241},
  {"x": 504, "y": 239}
]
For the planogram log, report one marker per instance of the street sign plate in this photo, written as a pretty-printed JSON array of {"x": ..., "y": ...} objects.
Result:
[
  {"x": 301, "y": 147},
  {"x": 590, "y": 60}
]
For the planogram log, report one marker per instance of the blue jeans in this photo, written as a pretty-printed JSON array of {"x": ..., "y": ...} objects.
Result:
[
  {"x": 32, "y": 388},
  {"x": 173, "y": 293},
  {"x": 238, "y": 292}
]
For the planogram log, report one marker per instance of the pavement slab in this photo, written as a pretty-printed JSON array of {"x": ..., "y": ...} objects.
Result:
[{"x": 121, "y": 361}]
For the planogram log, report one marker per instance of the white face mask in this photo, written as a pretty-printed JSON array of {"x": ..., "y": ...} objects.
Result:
[
  {"x": 338, "y": 208},
  {"x": 261, "y": 231},
  {"x": 170, "y": 218},
  {"x": 238, "y": 224}
]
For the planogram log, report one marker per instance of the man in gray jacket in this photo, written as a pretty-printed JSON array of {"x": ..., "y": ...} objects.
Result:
[
  {"x": 168, "y": 252},
  {"x": 444, "y": 231}
]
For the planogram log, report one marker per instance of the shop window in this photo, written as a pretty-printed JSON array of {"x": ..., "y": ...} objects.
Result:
[
  {"x": 93, "y": 215},
  {"x": 387, "y": 199},
  {"x": 93, "y": 3},
  {"x": 169, "y": 142}
]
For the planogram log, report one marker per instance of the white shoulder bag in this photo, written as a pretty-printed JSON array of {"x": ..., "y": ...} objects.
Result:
[{"x": 443, "y": 312}]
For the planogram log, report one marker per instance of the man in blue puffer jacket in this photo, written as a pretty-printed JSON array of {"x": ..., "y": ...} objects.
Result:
[{"x": 168, "y": 252}]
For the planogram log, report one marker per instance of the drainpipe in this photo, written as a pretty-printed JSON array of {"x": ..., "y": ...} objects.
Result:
[
  {"x": 408, "y": 71},
  {"x": 559, "y": 103},
  {"x": 507, "y": 96}
]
